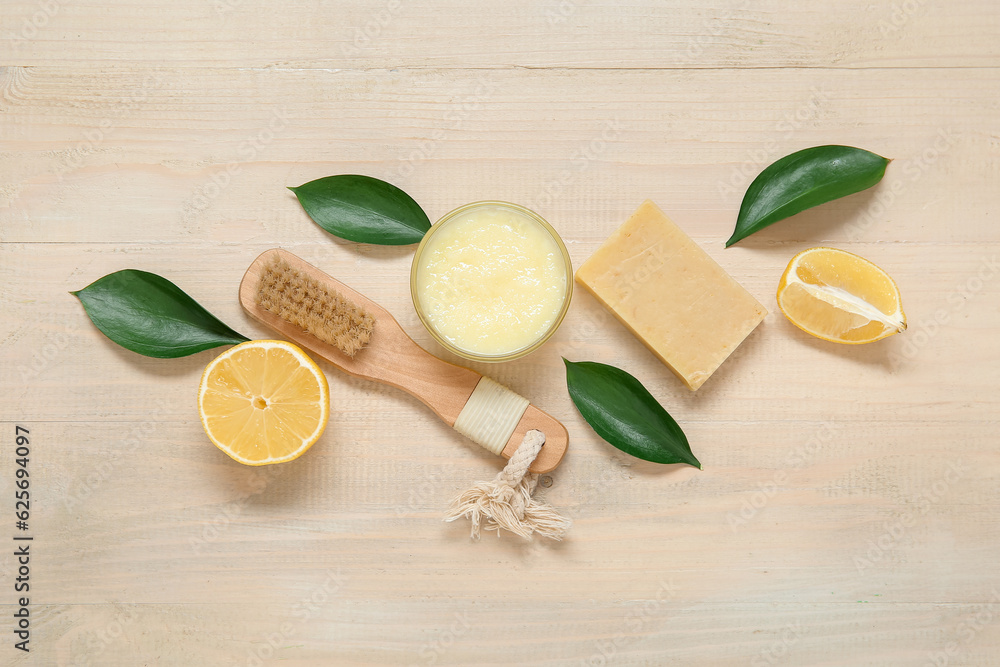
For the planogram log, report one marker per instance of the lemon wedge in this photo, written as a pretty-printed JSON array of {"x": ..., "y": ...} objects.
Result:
[
  {"x": 840, "y": 297},
  {"x": 263, "y": 401}
]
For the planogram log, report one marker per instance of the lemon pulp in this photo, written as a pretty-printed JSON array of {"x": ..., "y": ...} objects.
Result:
[
  {"x": 840, "y": 297},
  {"x": 263, "y": 401}
]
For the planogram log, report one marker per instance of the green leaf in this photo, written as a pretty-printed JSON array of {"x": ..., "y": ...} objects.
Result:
[
  {"x": 148, "y": 314},
  {"x": 622, "y": 412},
  {"x": 363, "y": 209},
  {"x": 805, "y": 179}
]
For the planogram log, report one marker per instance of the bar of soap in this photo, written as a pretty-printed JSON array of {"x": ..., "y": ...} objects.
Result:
[{"x": 674, "y": 297}]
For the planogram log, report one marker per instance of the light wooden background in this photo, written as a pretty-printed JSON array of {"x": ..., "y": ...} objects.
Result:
[{"x": 848, "y": 509}]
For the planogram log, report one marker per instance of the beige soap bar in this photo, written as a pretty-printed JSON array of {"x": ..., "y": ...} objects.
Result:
[{"x": 671, "y": 294}]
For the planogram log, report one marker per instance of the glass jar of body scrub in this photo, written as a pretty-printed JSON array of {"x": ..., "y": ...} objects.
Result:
[{"x": 491, "y": 281}]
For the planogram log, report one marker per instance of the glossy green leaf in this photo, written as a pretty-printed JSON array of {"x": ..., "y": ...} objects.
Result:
[
  {"x": 622, "y": 412},
  {"x": 805, "y": 179},
  {"x": 363, "y": 209},
  {"x": 148, "y": 314}
]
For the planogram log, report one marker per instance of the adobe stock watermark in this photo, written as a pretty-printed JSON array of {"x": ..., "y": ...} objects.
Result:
[
  {"x": 966, "y": 632},
  {"x": 203, "y": 196},
  {"x": 900, "y": 15},
  {"x": 911, "y": 171},
  {"x": 611, "y": 475},
  {"x": 47, "y": 353},
  {"x": 223, "y": 7},
  {"x": 580, "y": 161},
  {"x": 712, "y": 29},
  {"x": 50, "y": 350},
  {"x": 39, "y": 20},
  {"x": 797, "y": 457},
  {"x": 456, "y": 116},
  {"x": 422, "y": 494},
  {"x": 216, "y": 527},
  {"x": 758, "y": 158},
  {"x": 636, "y": 271},
  {"x": 86, "y": 484},
  {"x": 97, "y": 642},
  {"x": 366, "y": 36},
  {"x": 560, "y": 13},
  {"x": 920, "y": 334},
  {"x": 444, "y": 639},
  {"x": 301, "y": 612},
  {"x": 635, "y": 621},
  {"x": 775, "y": 652},
  {"x": 592, "y": 326},
  {"x": 94, "y": 138},
  {"x": 890, "y": 539}
]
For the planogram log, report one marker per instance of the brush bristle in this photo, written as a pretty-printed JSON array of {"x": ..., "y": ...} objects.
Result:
[{"x": 302, "y": 300}]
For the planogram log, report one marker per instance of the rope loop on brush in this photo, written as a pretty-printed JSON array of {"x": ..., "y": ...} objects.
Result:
[{"x": 506, "y": 502}]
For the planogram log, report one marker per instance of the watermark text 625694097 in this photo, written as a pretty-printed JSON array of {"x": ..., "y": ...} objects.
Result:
[{"x": 22, "y": 539}]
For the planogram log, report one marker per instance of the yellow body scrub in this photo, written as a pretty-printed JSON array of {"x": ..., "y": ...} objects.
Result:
[{"x": 491, "y": 281}]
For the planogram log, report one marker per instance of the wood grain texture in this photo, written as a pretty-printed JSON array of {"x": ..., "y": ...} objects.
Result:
[
  {"x": 847, "y": 510},
  {"x": 353, "y": 34},
  {"x": 195, "y": 154}
]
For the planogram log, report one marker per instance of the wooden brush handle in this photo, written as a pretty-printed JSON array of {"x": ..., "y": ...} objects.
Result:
[
  {"x": 393, "y": 358},
  {"x": 445, "y": 388}
]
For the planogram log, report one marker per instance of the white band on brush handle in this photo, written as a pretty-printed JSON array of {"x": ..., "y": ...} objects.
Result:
[{"x": 491, "y": 415}]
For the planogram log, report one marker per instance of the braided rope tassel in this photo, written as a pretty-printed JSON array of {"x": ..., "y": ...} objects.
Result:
[{"x": 506, "y": 501}]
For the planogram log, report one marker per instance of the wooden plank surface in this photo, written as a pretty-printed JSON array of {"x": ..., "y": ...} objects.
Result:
[
  {"x": 847, "y": 513},
  {"x": 551, "y": 33}
]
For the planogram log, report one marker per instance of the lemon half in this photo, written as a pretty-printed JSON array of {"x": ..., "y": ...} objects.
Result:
[{"x": 263, "y": 401}]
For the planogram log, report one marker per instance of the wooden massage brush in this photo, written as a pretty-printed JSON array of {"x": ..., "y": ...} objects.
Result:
[{"x": 361, "y": 338}]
